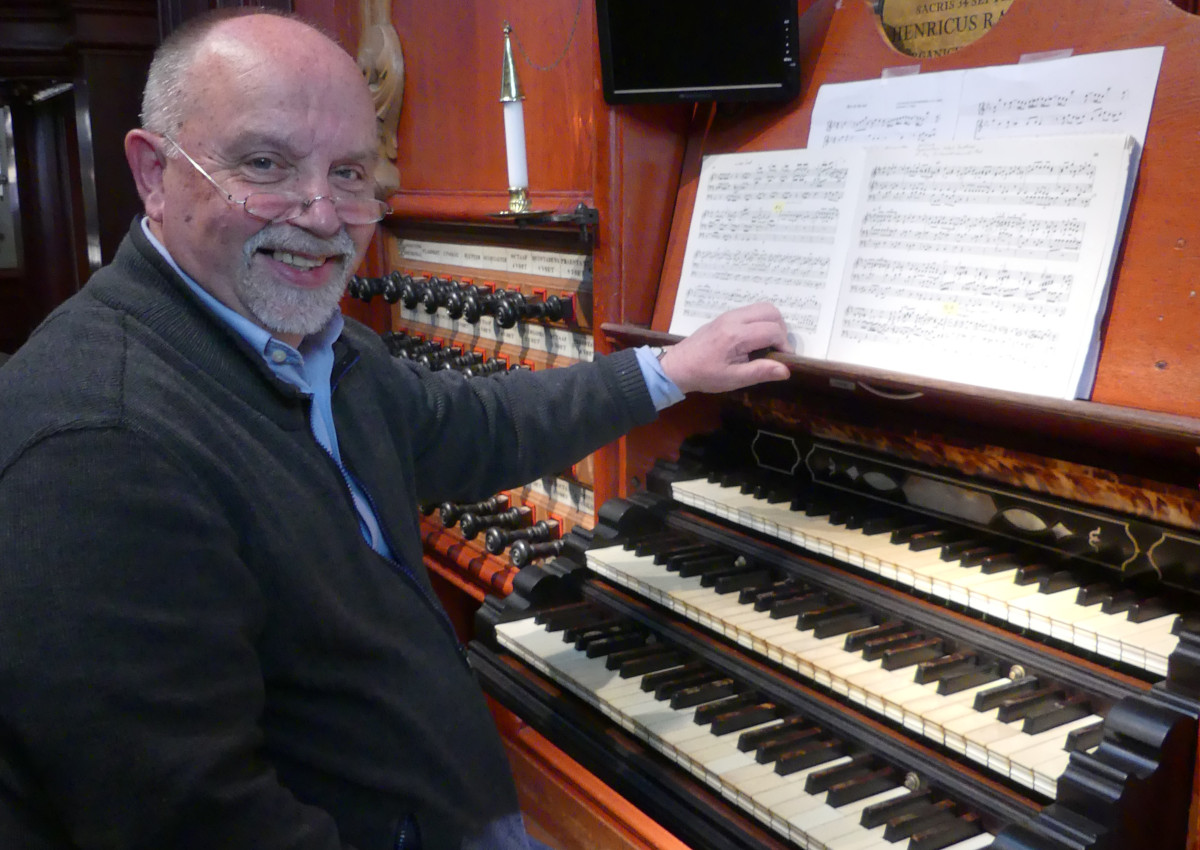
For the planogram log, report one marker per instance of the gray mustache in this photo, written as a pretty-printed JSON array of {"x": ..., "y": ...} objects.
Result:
[{"x": 283, "y": 237}]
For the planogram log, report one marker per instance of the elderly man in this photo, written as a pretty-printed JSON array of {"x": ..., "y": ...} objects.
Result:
[{"x": 216, "y": 627}]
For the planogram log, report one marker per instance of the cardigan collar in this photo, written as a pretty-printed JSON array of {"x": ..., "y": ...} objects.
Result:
[{"x": 141, "y": 283}]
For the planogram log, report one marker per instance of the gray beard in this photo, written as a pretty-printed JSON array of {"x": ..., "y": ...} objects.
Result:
[{"x": 288, "y": 309}]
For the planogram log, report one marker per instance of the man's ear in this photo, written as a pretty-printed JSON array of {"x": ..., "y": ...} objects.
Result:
[{"x": 146, "y": 163}]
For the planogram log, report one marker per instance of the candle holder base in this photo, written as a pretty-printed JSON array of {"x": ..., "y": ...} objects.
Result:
[{"x": 519, "y": 206}]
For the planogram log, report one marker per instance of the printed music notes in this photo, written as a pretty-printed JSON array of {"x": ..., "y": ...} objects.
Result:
[
  {"x": 981, "y": 262},
  {"x": 1107, "y": 92}
]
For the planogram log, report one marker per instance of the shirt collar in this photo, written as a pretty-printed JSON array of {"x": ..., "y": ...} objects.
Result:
[{"x": 258, "y": 338}]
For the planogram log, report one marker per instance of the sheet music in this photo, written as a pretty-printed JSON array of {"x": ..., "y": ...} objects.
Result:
[
  {"x": 1092, "y": 93},
  {"x": 892, "y": 110},
  {"x": 1087, "y": 94},
  {"x": 770, "y": 226},
  {"x": 985, "y": 263}
]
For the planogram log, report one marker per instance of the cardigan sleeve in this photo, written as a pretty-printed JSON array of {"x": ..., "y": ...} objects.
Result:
[{"x": 129, "y": 673}]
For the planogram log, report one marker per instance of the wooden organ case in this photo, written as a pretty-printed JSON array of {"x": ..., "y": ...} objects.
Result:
[{"x": 855, "y": 610}]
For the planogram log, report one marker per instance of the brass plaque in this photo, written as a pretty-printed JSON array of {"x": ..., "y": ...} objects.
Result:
[{"x": 925, "y": 28}]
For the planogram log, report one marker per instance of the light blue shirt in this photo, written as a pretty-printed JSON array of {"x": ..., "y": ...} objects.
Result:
[{"x": 310, "y": 367}]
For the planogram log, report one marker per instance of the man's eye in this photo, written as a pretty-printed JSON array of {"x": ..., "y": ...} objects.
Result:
[{"x": 260, "y": 163}]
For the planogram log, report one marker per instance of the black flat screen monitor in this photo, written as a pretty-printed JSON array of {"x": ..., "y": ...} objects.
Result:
[{"x": 665, "y": 51}]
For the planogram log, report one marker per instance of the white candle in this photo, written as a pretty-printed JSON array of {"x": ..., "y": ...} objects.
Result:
[{"x": 514, "y": 144}]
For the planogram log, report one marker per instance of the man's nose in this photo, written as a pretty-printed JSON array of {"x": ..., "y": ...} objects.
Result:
[{"x": 319, "y": 215}]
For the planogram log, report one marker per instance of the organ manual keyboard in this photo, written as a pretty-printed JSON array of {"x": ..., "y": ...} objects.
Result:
[
  {"x": 852, "y": 653},
  {"x": 901, "y": 610}
]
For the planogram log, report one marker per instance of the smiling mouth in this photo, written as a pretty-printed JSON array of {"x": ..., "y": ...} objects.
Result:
[{"x": 298, "y": 261}]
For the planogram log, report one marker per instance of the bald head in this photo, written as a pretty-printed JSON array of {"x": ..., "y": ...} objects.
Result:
[{"x": 237, "y": 46}]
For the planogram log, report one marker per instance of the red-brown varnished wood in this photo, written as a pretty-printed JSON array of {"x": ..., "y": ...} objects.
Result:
[
  {"x": 567, "y": 806},
  {"x": 1150, "y": 358},
  {"x": 624, "y": 162}
]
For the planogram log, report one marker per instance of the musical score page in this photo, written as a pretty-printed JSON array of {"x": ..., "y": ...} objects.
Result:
[
  {"x": 985, "y": 262},
  {"x": 770, "y": 226},
  {"x": 1092, "y": 93}
]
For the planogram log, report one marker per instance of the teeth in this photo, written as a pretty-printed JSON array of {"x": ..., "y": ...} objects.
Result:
[{"x": 297, "y": 261}]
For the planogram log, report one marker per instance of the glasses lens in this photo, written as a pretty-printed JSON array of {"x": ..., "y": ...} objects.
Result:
[
  {"x": 285, "y": 207},
  {"x": 274, "y": 207},
  {"x": 360, "y": 210}
]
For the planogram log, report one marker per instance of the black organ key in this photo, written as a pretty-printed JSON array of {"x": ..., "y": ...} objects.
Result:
[
  {"x": 874, "y": 649},
  {"x": 811, "y": 618},
  {"x": 771, "y": 750},
  {"x": 1085, "y": 738},
  {"x": 765, "y": 599},
  {"x": 979, "y": 675},
  {"x": 761, "y": 597},
  {"x": 881, "y": 525},
  {"x": 999, "y": 563},
  {"x": 933, "y": 539},
  {"x": 1022, "y": 705},
  {"x": 707, "y": 691},
  {"x": 843, "y": 624},
  {"x": 663, "y": 556},
  {"x": 573, "y": 631},
  {"x": 705, "y": 714},
  {"x": 953, "y": 550},
  {"x": 752, "y": 740},
  {"x": 878, "y": 814},
  {"x": 1057, "y": 581},
  {"x": 822, "y": 780},
  {"x": 939, "y": 668},
  {"x": 794, "y": 605},
  {"x": 922, "y": 819},
  {"x": 993, "y": 697},
  {"x": 1118, "y": 602},
  {"x": 607, "y": 646},
  {"x": 908, "y": 654},
  {"x": 860, "y": 787},
  {"x": 813, "y": 505},
  {"x": 910, "y": 531},
  {"x": 588, "y": 637},
  {"x": 651, "y": 543},
  {"x": 743, "y": 718},
  {"x": 682, "y": 681},
  {"x": 698, "y": 566},
  {"x": 1094, "y": 594},
  {"x": 616, "y": 659},
  {"x": 652, "y": 681},
  {"x": 1032, "y": 573},
  {"x": 946, "y": 833},
  {"x": 810, "y": 754},
  {"x": 557, "y": 619},
  {"x": 1145, "y": 610},
  {"x": 652, "y": 663},
  {"x": 855, "y": 641},
  {"x": 1056, "y": 713},
  {"x": 739, "y": 581}
]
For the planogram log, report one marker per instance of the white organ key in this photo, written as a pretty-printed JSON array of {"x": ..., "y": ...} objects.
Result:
[
  {"x": 778, "y": 800},
  {"x": 837, "y": 832},
  {"x": 996, "y": 595},
  {"x": 950, "y": 719}
]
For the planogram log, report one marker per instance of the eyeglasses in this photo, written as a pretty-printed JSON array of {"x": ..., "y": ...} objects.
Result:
[{"x": 277, "y": 207}]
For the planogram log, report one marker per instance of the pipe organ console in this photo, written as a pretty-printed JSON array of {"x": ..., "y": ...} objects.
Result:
[
  {"x": 467, "y": 299},
  {"x": 856, "y": 610}
]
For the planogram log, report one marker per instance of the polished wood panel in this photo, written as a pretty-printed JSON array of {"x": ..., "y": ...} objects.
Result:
[{"x": 1149, "y": 358}]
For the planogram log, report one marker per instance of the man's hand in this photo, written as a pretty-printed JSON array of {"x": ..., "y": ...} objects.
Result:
[{"x": 716, "y": 357}]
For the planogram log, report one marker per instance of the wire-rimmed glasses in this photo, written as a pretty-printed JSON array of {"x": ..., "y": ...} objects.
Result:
[{"x": 277, "y": 207}]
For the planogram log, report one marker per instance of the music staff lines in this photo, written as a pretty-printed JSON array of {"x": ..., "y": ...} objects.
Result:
[{"x": 987, "y": 235}]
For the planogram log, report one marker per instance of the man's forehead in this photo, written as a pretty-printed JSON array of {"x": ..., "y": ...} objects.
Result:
[{"x": 297, "y": 145}]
